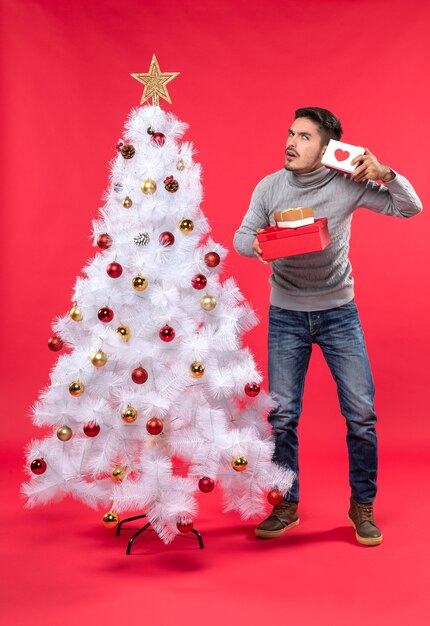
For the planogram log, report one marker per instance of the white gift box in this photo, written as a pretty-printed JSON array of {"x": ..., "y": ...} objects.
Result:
[
  {"x": 338, "y": 156},
  {"x": 296, "y": 223}
]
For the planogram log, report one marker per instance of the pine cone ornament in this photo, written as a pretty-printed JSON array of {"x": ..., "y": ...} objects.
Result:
[
  {"x": 142, "y": 239},
  {"x": 171, "y": 184},
  {"x": 128, "y": 151}
]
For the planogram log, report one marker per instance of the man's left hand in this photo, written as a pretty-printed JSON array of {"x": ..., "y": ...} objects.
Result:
[{"x": 369, "y": 168}]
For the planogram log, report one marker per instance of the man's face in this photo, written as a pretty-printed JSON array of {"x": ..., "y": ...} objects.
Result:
[{"x": 304, "y": 149}]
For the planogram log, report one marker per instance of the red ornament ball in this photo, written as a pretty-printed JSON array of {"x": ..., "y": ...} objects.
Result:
[
  {"x": 55, "y": 343},
  {"x": 275, "y": 497},
  {"x": 38, "y": 466},
  {"x": 104, "y": 241},
  {"x": 91, "y": 429},
  {"x": 252, "y": 389},
  {"x": 114, "y": 270},
  {"x": 184, "y": 525},
  {"x": 139, "y": 375},
  {"x": 212, "y": 259},
  {"x": 105, "y": 314},
  {"x": 158, "y": 139},
  {"x": 199, "y": 281},
  {"x": 206, "y": 484},
  {"x": 154, "y": 426},
  {"x": 166, "y": 239},
  {"x": 167, "y": 333}
]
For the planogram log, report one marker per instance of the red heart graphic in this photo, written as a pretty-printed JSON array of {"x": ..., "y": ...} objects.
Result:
[{"x": 341, "y": 155}]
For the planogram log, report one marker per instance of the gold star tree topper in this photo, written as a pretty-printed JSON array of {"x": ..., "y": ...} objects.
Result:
[{"x": 155, "y": 82}]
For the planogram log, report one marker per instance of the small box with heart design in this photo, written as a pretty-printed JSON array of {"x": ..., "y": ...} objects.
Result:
[{"x": 338, "y": 156}]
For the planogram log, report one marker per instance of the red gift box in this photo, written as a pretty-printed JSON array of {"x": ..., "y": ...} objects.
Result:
[{"x": 276, "y": 242}]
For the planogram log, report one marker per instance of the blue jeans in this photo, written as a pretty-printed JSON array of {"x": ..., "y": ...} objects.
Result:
[{"x": 339, "y": 334}]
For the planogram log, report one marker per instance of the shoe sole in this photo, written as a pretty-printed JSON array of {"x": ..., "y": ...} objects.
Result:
[
  {"x": 366, "y": 541},
  {"x": 272, "y": 534}
]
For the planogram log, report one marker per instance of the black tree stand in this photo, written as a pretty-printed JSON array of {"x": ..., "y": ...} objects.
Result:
[{"x": 147, "y": 527}]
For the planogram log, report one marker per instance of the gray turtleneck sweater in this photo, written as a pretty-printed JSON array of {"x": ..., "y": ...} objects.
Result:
[{"x": 319, "y": 280}]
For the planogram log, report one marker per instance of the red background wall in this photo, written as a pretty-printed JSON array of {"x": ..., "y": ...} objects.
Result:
[{"x": 245, "y": 67}]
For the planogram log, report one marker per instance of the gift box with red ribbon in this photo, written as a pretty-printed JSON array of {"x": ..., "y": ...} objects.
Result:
[{"x": 276, "y": 242}]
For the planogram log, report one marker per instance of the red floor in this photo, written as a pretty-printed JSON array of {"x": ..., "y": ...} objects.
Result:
[{"x": 63, "y": 567}]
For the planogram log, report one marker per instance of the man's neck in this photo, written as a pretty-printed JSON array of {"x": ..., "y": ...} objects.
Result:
[{"x": 309, "y": 179}]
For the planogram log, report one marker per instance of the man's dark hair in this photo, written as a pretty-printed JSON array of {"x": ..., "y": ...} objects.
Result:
[{"x": 329, "y": 124}]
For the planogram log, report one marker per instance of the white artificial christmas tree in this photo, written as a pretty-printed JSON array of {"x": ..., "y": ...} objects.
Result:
[{"x": 156, "y": 396}]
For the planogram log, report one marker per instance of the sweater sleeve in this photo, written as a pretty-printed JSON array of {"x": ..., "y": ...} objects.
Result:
[
  {"x": 257, "y": 216},
  {"x": 397, "y": 197}
]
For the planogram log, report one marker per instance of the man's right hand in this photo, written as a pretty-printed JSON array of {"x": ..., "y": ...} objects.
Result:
[{"x": 256, "y": 248}]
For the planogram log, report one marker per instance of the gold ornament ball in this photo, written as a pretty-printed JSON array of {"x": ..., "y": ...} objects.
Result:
[
  {"x": 76, "y": 388},
  {"x": 239, "y": 463},
  {"x": 180, "y": 165},
  {"x": 208, "y": 303},
  {"x": 139, "y": 283},
  {"x": 64, "y": 433},
  {"x": 186, "y": 225},
  {"x": 127, "y": 202},
  {"x": 99, "y": 358},
  {"x": 118, "y": 473},
  {"x": 148, "y": 187},
  {"x": 129, "y": 414},
  {"x": 110, "y": 520},
  {"x": 197, "y": 369},
  {"x": 123, "y": 332},
  {"x": 76, "y": 313}
]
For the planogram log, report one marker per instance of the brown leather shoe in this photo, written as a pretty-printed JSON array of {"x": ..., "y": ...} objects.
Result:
[
  {"x": 282, "y": 517},
  {"x": 366, "y": 530}
]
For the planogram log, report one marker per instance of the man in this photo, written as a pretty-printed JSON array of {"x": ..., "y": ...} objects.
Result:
[{"x": 312, "y": 301}]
